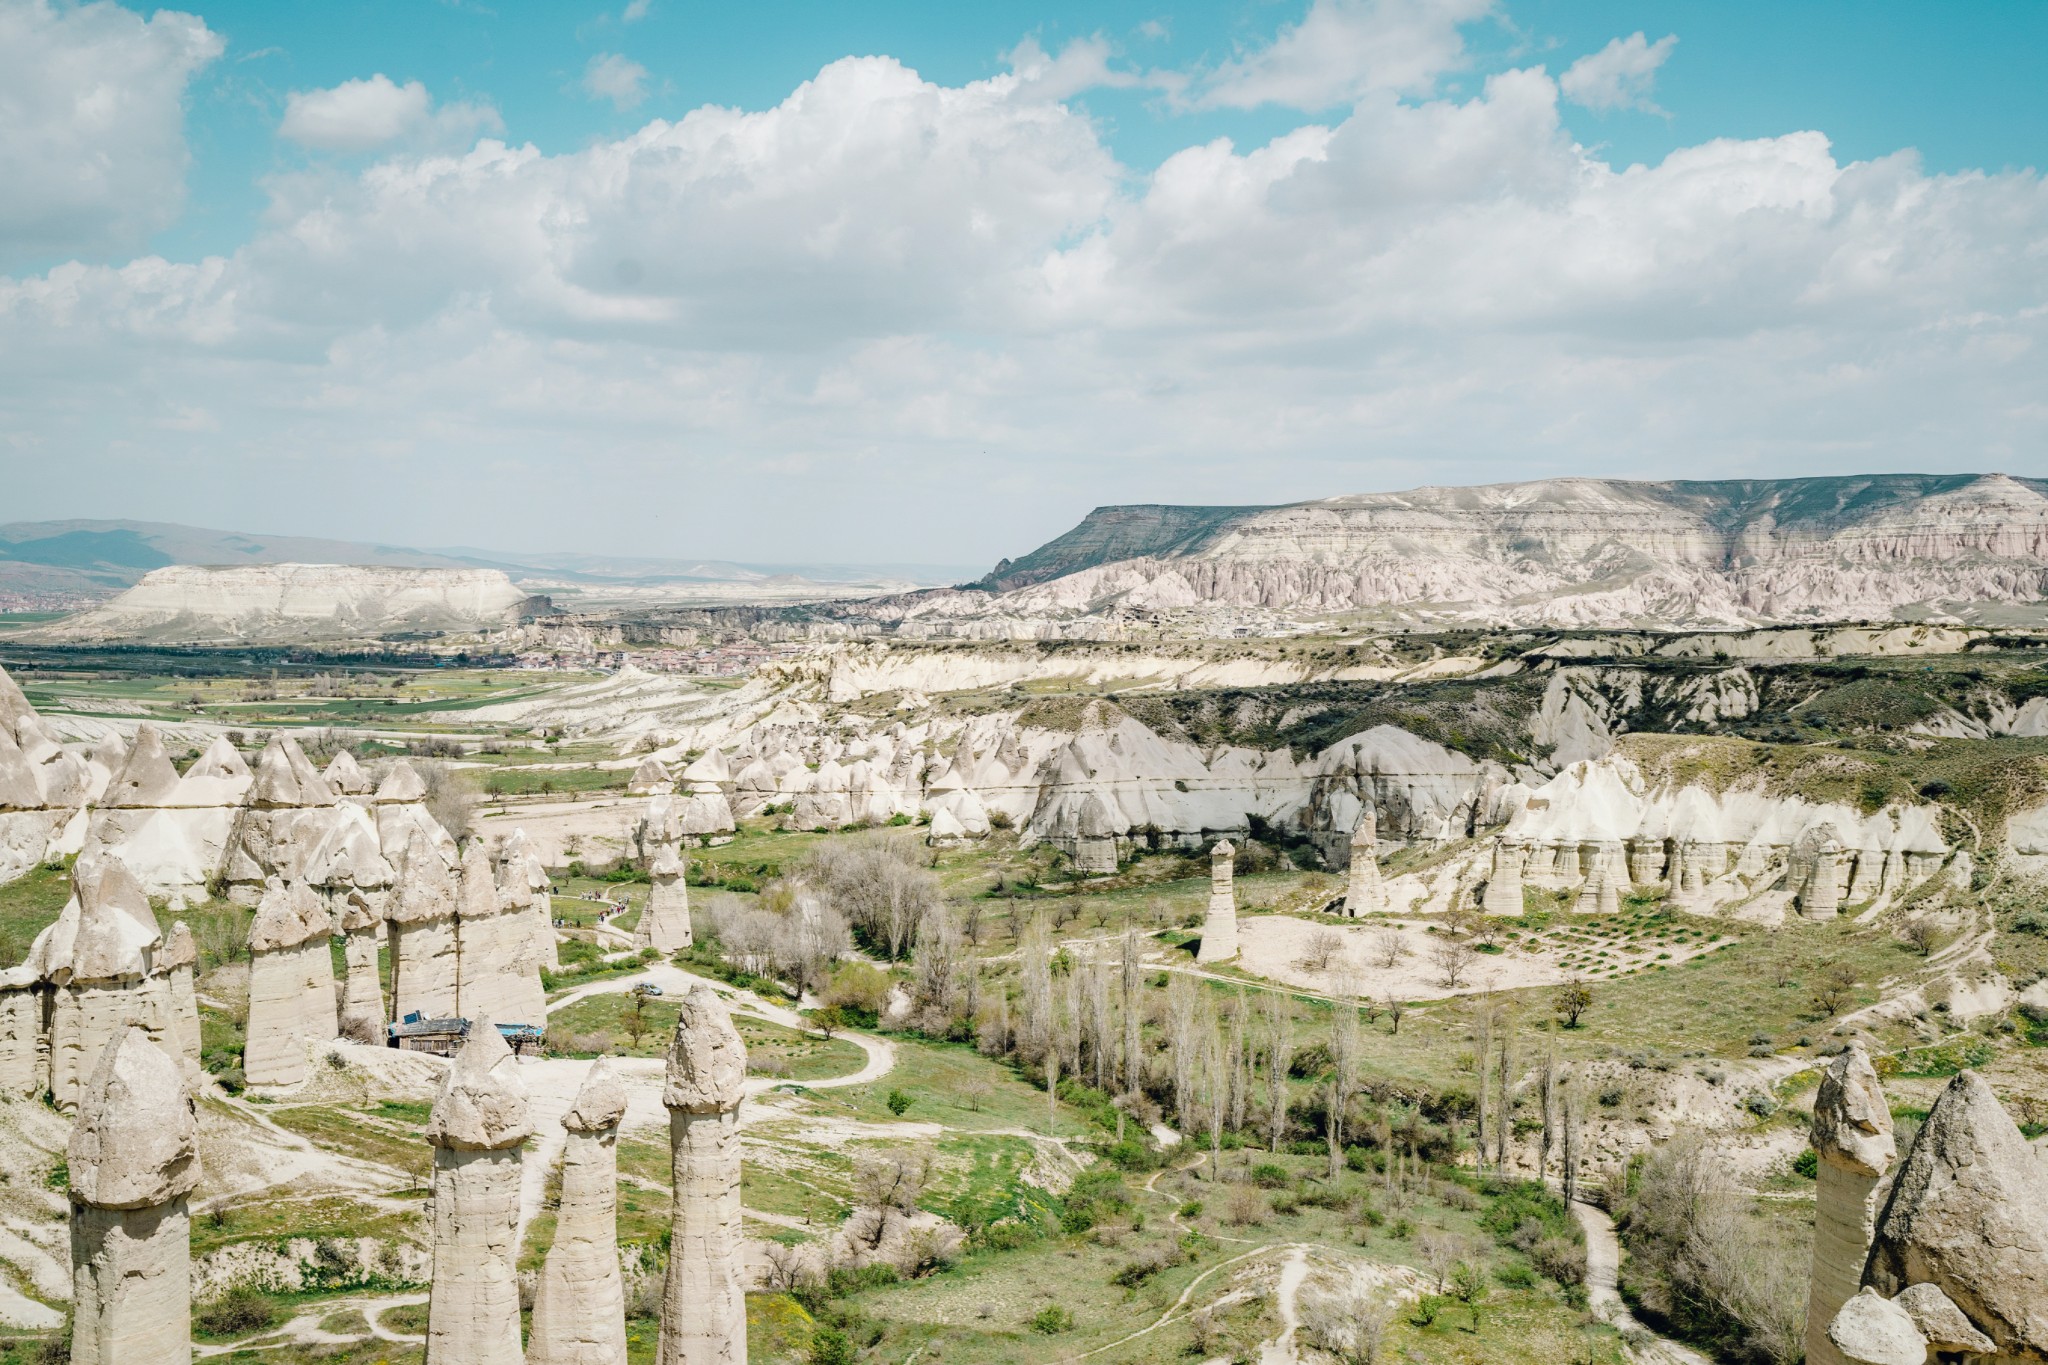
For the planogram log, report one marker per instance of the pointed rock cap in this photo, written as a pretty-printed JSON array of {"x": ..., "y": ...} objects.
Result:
[
  {"x": 479, "y": 883},
  {"x": 221, "y": 759},
  {"x": 707, "y": 1062},
  {"x": 288, "y": 915},
  {"x": 650, "y": 777},
  {"x": 1223, "y": 852},
  {"x": 1872, "y": 1330},
  {"x": 946, "y": 825},
  {"x": 709, "y": 770},
  {"x": 13, "y": 702},
  {"x": 180, "y": 950},
  {"x": 482, "y": 1105},
  {"x": 1365, "y": 834},
  {"x": 286, "y": 777},
  {"x": 401, "y": 784},
  {"x": 117, "y": 931},
  {"x": 426, "y": 891},
  {"x": 1094, "y": 821},
  {"x": 1852, "y": 1124},
  {"x": 146, "y": 778},
  {"x": 1968, "y": 1214},
  {"x": 344, "y": 775},
  {"x": 136, "y": 1141},
  {"x": 111, "y": 755},
  {"x": 667, "y": 864},
  {"x": 600, "y": 1101}
]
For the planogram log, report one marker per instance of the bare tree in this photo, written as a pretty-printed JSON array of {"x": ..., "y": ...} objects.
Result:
[
  {"x": 1440, "y": 1253},
  {"x": 1343, "y": 1075},
  {"x": 1396, "y": 1007},
  {"x": 1183, "y": 998},
  {"x": 1279, "y": 1041},
  {"x": 1504, "y": 1120},
  {"x": 878, "y": 884},
  {"x": 1546, "y": 1090},
  {"x": 1237, "y": 1058},
  {"x": 1388, "y": 948},
  {"x": 1922, "y": 933},
  {"x": 1351, "y": 1323},
  {"x": 1128, "y": 982},
  {"x": 1573, "y": 1105},
  {"x": 886, "y": 1183},
  {"x": 1452, "y": 958},
  {"x": 1323, "y": 947},
  {"x": 938, "y": 958},
  {"x": 1215, "y": 1086}
]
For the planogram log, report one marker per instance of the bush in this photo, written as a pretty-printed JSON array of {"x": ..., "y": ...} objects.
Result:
[
  {"x": 1052, "y": 1320},
  {"x": 1267, "y": 1176},
  {"x": 1426, "y": 1310},
  {"x": 1807, "y": 1164},
  {"x": 897, "y": 1102},
  {"x": 238, "y": 1313},
  {"x": 830, "y": 1346}
]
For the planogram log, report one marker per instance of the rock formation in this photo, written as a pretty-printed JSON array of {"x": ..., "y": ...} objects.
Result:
[
  {"x": 279, "y": 603},
  {"x": 43, "y": 788},
  {"x": 1605, "y": 882},
  {"x": 1503, "y": 894},
  {"x": 651, "y": 778},
  {"x": 425, "y": 956},
  {"x": 477, "y": 1126},
  {"x": 1958, "y": 1267},
  {"x": 1968, "y": 1214},
  {"x": 1219, "y": 925},
  {"x": 703, "y": 1307},
  {"x": 523, "y": 881},
  {"x": 134, "y": 1161},
  {"x": 178, "y": 962},
  {"x": 1852, "y": 1135},
  {"x": 24, "y": 1061},
  {"x": 362, "y": 990},
  {"x": 172, "y": 833},
  {"x": 665, "y": 921},
  {"x": 291, "y": 984},
  {"x": 497, "y": 971},
  {"x": 344, "y": 776},
  {"x": 289, "y": 809},
  {"x": 1860, "y": 548},
  {"x": 97, "y": 962},
  {"x": 579, "y": 1309},
  {"x": 1364, "y": 894}
]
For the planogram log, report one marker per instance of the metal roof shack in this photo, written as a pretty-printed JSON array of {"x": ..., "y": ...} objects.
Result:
[{"x": 417, "y": 1033}]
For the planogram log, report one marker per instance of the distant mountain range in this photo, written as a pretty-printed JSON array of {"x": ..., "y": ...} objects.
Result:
[
  {"x": 88, "y": 556},
  {"x": 1558, "y": 552}
]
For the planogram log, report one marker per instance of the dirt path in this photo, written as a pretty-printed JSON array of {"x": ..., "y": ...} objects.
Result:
[
  {"x": 305, "y": 1329},
  {"x": 1603, "y": 1294},
  {"x": 1286, "y": 1296}
]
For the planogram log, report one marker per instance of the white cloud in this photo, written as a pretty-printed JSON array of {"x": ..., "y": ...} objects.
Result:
[
  {"x": 92, "y": 124},
  {"x": 1343, "y": 50},
  {"x": 621, "y": 80},
  {"x": 950, "y": 320},
  {"x": 635, "y": 11},
  {"x": 361, "y": 115},
  {"x": 1618, "y": 76}
]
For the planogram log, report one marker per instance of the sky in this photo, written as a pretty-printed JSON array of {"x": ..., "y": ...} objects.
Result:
[{"x": 912, "y": 281}]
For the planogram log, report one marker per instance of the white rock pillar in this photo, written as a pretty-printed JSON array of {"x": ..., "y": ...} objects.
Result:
[
  {"x": 1503, "y": 894},
  {"x": 178, "y": 962},
  {"x": 703, "y": 1307},
  {"x": 97, "y": 960},
  {"x": 1600, "y": 893},
  {"x": 362, "y": 988},
  {"x": 291, "y": 984},
  {"x": 579, "y": 1309},
  {"x": 134, "y": 1161},
  {"x": 496, "y": 971},
  {"x": 24, "y": 1063},
  {"x": 1822, "y": 898},
  {"x": 423, "y": 943},
  {"x": 1364, "y": 893},
  {"x": 665, "y": 922},
  {"x": 1219, "y": 925},
  {"x": 477, "y": 1126},
  {"x": 523, "y": 880},
  {"x": 1852, "y": 1135}
]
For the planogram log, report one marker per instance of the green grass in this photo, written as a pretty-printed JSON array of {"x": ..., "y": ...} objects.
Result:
[
  {"x": 28, "y": 905},
  {"x": 552, "y": 781}
]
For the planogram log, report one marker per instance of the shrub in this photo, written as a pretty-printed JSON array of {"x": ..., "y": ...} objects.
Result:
[
  {"x": 1052, "y": 1320},
  {"x": 237, "y": 1313},
  {"x": 1807, "y": 1164},
  {"x": 1268, "y": 1176},
  {"x": 1426, "y": 1309},
  {"x": 897, "y": 1102},
  {"x": 830, "y": 1346}
]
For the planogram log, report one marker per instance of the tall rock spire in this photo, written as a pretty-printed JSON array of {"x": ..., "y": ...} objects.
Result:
[
  {"x": 703, "y": 1307},
  {"x": 134, "y": 1161},
  {"x": 1365, "y": 894},
  {"x": 579, "y": 1310},
  {"x": 477, "y": 1126},
  {"x": 1852, "y": 1135},
  {"x": 1219, "y": 926}
]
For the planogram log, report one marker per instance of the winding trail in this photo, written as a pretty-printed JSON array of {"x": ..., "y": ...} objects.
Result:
[{"x": 1603, "y": 1294}]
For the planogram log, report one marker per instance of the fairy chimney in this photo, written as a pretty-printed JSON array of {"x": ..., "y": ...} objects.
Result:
[
  {"x": 477, "y": 1127},
  {"x": 579, "y": 1309},
  {"x": 703, "y": 1307},
  {"x": 1219, "y": 926}
]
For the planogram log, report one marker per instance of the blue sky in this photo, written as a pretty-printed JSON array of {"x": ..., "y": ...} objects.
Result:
[
  {"x": 1239, "y": 252},
  {"x": 1960, "y": 83}
]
